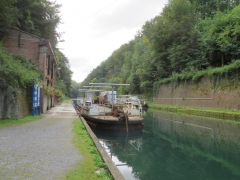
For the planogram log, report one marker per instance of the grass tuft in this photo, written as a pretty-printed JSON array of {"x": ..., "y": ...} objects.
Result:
[
  {"x": 11, "y": 122},
  {"x": 91, "y": 161}
]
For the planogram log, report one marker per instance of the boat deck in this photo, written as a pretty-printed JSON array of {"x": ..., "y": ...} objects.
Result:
[
  {"x": 103, "y": 114},
  {"x": 112, "y": 118}
]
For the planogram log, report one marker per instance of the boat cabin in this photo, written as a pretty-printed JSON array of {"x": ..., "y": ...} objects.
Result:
[{"x": 88, "y": 104}]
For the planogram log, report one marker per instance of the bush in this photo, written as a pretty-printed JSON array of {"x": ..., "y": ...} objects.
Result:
[{"x": 17, "y": 71}]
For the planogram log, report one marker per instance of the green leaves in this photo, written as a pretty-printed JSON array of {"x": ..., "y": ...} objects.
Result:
[
  {"x": 220, "y": 36},
  {"x": 17, "y": 71},
  {"x": 38, "y": 17},
  {"x": 64, "y": 74},
  {"x": 8, "y": 16},
  {"x": 188, "y": 40}
]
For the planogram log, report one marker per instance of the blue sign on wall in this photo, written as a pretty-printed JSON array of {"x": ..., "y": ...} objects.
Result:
[{"x": 36, "y": 91}]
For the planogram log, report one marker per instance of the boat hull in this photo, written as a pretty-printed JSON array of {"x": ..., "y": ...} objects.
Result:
[
  {"x": 111, "y": 123},
  {"x": 119, "y": 136}
]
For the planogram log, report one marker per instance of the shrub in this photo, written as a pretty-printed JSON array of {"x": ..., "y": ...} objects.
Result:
[{"x": 17, "y": 71}]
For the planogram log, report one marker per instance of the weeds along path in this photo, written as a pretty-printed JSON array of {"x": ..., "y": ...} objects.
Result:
[{"x": 41, "y": 149}]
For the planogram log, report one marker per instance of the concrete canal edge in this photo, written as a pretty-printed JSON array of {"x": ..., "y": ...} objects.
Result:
[{"x": 111, "y": 166}]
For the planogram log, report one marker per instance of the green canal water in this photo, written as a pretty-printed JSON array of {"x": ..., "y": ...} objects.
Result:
[{"x": 176, "y": 147}]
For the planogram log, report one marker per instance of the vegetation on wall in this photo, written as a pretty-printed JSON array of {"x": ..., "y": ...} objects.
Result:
[
  {"x": 49, "y": 90},
  {"x": 40, "y": 18},
  {"x": 16, "y": 70},
  {"x": 228, "y": 72},
  {"x": 190, "y": 39}
]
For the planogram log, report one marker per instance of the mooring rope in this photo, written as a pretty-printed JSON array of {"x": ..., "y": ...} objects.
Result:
[{"x": 126, "y": 120}]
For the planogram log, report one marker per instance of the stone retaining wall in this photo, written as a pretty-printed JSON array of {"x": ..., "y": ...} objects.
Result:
[
  {"x": 13, "y": 104},
  {"x": 225, "y": 95}
]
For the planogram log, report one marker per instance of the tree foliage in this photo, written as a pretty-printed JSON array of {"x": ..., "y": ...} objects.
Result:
[
  {"x": 220, "y": 37},
  {"x": 75, "y": 89},
  {"x": 186, "y": 39},
  {"x": 64, "y": 74},
  {"x": 8, "y": 16},
  {"x": 38, "y": 17},
  {"x": 16, "y": 70}
]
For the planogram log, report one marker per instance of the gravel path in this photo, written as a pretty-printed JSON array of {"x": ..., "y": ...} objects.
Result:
[{"x": 41, "y": 149}]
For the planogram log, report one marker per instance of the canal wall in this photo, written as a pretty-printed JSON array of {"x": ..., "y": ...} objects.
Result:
[
  {"x": 108, "y": 161},
  {"x": 206, "y": 92},
  {"x": 13, "y": 103},
  {"x": 205, "y": 133},
  {"x": 203, "y": 129}
]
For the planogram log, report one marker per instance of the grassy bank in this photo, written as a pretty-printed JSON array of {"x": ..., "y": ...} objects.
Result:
[
  {"x": 91, "y": 161},
  {"x": 11, "y": 122},
  {"x": 207, "y": 112}
]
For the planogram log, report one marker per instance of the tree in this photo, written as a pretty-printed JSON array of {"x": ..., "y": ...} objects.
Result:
[
  {"x": 38, "y": 17},
  {"x": 219, "y": 37},
  {"x": 188, "y": 35},
  {"x": 75, "y": 89},
  {"x": 171, "y": 35},
  {"x": 8, "y": 16},
  {"x": 64, "y": 73}
]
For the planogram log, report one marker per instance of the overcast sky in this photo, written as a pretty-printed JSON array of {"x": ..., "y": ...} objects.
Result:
[{"x": 95, "y": 28}]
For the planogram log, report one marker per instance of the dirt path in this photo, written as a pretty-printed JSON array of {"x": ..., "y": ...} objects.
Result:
[{"x": 39, "y": 150}]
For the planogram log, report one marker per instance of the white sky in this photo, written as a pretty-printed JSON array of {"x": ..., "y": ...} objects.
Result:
[{"x": 95, "y": 28}]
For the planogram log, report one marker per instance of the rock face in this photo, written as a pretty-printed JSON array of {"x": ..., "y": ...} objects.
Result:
[{"x": 13, "y": 103}]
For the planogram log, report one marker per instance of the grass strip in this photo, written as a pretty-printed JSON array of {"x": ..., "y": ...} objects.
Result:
[
  {"x": 229, "y": 114},
  {"x": 11, "y": 122},
  {"x": 91, "y": 162}
]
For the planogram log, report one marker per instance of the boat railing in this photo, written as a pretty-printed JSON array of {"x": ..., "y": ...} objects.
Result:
[{"x": 132, "y": 108}]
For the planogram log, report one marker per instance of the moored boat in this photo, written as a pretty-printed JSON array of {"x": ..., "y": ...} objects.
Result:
[{"x": 113, "y": 114}]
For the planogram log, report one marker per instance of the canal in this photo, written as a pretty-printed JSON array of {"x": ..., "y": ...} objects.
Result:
[{"x": 172, "y": 146}]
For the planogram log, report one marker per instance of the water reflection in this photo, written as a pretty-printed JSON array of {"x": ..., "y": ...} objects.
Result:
[
  {"x": 178, "y": 147},
  {"x": 121, "y": 147}
]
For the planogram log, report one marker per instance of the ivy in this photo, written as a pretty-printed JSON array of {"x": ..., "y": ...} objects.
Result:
[
  {"x": 49, "y": 90},
  {"x": 16, "y": 70},
  {"x": 225, "y": 73}
]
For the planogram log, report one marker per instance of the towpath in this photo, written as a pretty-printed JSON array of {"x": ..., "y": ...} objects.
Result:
[{"x": 41, "y": 149}]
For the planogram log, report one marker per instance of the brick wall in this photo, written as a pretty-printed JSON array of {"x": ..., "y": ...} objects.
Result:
[
  {"x": 37, "y": 50},
  {"x": 19, "y": 43}
]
